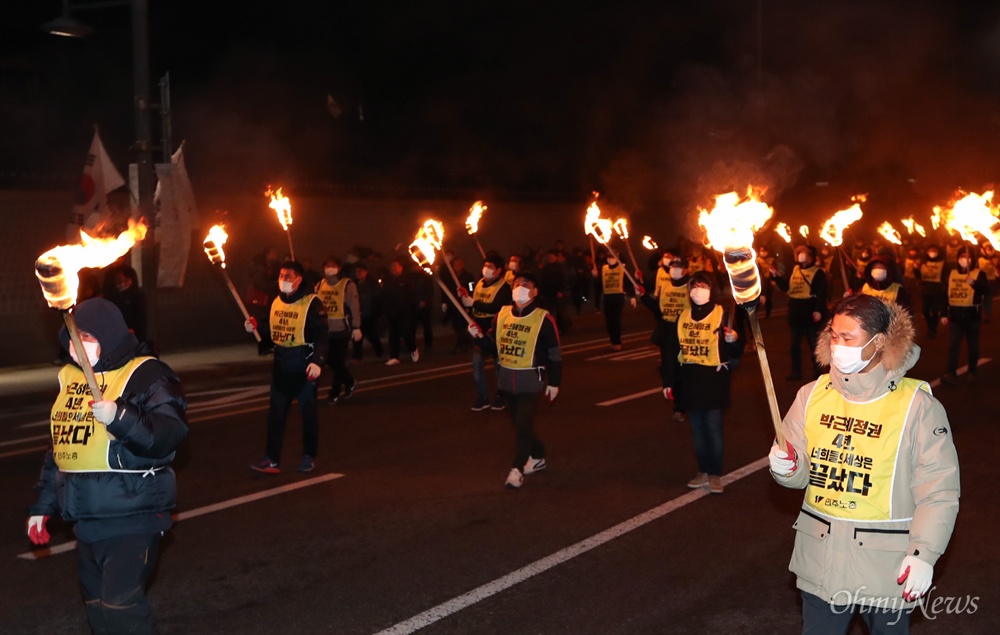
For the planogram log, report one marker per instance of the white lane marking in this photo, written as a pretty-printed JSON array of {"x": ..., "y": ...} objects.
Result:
[
  {"x": 194, "y": 513},
  {"x": 478, "y": 594},
  {"x": 25, "y": 439},
  {"x": 623, "y": 354},
  {"x": 637, "y": 395},
  {"x": 33, "y": 450}
]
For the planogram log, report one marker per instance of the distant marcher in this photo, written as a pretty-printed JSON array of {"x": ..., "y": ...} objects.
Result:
[
  {"x": 130, "y": 300},
  {"x": 370, "y": 305},
  {"x": 339, "y": 295},
  {"x": 966, "y": 289},
  {"x": 933, "y": 299},
  {"x": 400, "y": 302},
  {"x": 807, "y": 310}
]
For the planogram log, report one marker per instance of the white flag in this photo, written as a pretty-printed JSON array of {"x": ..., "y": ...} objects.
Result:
[
  {"x": 99, "y": 177},
  {"x": 176, "y": 218}
]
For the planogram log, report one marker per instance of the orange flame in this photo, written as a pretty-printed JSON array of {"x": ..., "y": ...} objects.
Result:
[
  {"x": 424, "y": 247},
  {"x": 475, "y": 213},
  {"x": 804, "y": 231},
  {"x": 58, "y": 268},
  {"x": 833, "y": 228},
  {"x": 889, "y": 233},
  {"x": 973, "y": 214},
  {"x": 732, "y": 222},
  {"x": 621, "y": 228},
  {"x": 594, "y": 225},
  {"x": 913, "y": 226},
  {"x": 649, "y": 243},
  {"x": 282, "y": 207},
  {"x": 213, "y": 243},
  {"x": 784, "y": 231}
]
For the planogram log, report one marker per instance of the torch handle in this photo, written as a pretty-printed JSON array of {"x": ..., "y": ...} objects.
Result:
[
  {"x": 239, "y": 301},
  {"x": 481, "y": 252},
  {"x": 454, "y": 300},
  {"x": 81, "y": 355},
  {"x": 612, "y": 252},
  {"x": 593, "y": 254},
  {"x": 635, "y": 264},
  {"x": 765, "y": 369},
  {"x": 291, "y": 250},
  {"x": 843, "y": 269},
  {"x": 447, "y": 264}
]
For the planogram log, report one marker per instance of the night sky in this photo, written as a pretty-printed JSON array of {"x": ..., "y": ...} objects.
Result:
[{"x": 655, "y": 104}]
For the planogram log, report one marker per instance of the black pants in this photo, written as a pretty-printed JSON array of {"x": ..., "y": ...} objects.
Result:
[
  {"x": 369, "y": 331},
  {"x": 821, "y": 618},
  {"x": 522, "y": 408},
  {"x": 336, "y": 357},
  {"x": 286, "y": 388},
  {"x": 113, "y": 575},
  {"x": 968, "y": 329},
  {"x": 614, "y": 303},
  {"x": 811, "y": 333},
  {"x": 933, "y": 306},
  {"x": 402, "y": 327}
]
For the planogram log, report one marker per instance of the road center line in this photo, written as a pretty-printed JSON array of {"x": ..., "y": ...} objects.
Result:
[
  {"x": 637, "y": 395},
  {"x": 478, "y": 594},
  {"x": 200, "y": 511}
]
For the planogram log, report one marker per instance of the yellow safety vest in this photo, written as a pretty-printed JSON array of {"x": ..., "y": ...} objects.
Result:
[
  {"x": 764, "y": 266},
  {"x": 930, "y": 271},
  {"x": 508, "y": 278},
  {"x": 662, "y": 281},
  {"x": 517, "y": 337},
  {"x": 800, "y": 282},
  {"x": 886, "y": 295},
  {"x": 288, "y": 321},
  {"x": 910, "y": 268},
  {"x": 852, "y": 449},
  {"x": 960, "y": 292},
  {"x": 79, "y": 442},
  {"x": 486, "y": 295},
  {"x": 696, "y": 264},
  {"x": 333, "y": 298},
  {"x": 699, "y": 340},
  {"x": 673, "y": 301},
  {"x": 613, "y": 279},
  {"x": 988, "y": 267}
]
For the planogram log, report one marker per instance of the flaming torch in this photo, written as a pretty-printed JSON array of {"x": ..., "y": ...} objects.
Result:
[
  {"x": 216, "y": 238},
  {"x": 621, "y": 228},
  {"x": 283, "y": 208},
  {"x": 58, "y": 272},
  {"x": 784, "y": 231},
  {"x": 973, "y": 214},
  {"x": 731, "y": 226},
  {"x": 913, "y": 226},
  {"x": 649, "y": 243},
  {"x": 889, "y": 233},
  {"x": 833, "y": 230},
  {"x": 600, "y": 229},
  {"x": 804, "y": 231},
  {"x": 424, "y": 250},
  {"x": 472, "y": 223}
]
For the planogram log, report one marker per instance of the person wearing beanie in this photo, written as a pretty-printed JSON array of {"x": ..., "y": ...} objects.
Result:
[
  {"x": 930, "y": 273},
  {"x": 108, "y": 468},
  {"x": 490, "y": 295},
  {"x": 967, "y": 285},
  {"x": 806, "y": 287}
]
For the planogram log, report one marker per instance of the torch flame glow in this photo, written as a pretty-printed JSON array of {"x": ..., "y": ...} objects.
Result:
[
  {"x": 730, "y": 227},
  {"x": 424, "y": 247},
  {"x": 213, "y": 243},
  {"x": 475, "y": 213},
  {"x": 833, "y": 228},
  {"x": 913, "y": 226},
  {"x": 973, "y": 214},
  {"x": 621, "y": 228},
  {"x": 784, "y": 231},
  {"x": 649, "y": 243},
  {"x": 282, "y": 207},
  {"x": 889, "y": 233},
  {"x": 804, "y": 231},
  {"x": 58, "y": 268},
  {"x": 593, "y": 224}
]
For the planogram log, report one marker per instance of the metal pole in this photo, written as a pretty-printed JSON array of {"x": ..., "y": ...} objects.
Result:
[
  {"x": 144, "y": 156},
  {"x": 168, "y": 132}
]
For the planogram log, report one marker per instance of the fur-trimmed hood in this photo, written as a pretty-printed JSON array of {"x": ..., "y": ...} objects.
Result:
[{"x": 899, "y": 355}]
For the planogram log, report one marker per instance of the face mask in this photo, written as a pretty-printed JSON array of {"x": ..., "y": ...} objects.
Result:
[
  {"x": 665, "y": 262},
  {"x": 963, "y": 263},
  {"x": 90, "y": 348},
  {"x": 802, "y": 258},
  {"x": 522, "y": 295},
  {"x": 489, "y": 272},
  {"x": 700, "y": 296},
  {"x": 847, "y": 359},
  {"x": 330, "y": 272},
  {"x": 513, "y": 266},
  {"x": 932, "y": 254},
  {"x": 676, "y": 273},
  {"x": 612, "y": 262},
  {"x": 878, "y": 274},
  {"x": 286, "y": 287}
]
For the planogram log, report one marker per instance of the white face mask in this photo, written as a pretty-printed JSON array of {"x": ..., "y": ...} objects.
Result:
[
  {"x": 330, "y": 272},
  {"x": 932, "y": 254},
  {"x": 612, "y": 262},
  {"x": 963, "y": 263},
  {"x": 489, "y": 272},
  {"x": 513, "y": 266},
  {"x": 286, "y": 287},
  {"x": 676, "y": 273},
  {"x": 700, "y": 295},
  {"x": 878, "y": 274},
  {"x": 847, "y": 359},
  {"x": 92, "y": 349},
  {"x": 802, "y": 258},
  {"x": 522, "y": 295}
]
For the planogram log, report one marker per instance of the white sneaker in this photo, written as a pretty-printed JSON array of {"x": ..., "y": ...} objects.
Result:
[
  {"x": 415, "y": 355},
  {"x": 514, "y": 479},
  {"x": 534, "y": 465},
  {"x": 392, "y": 362}
]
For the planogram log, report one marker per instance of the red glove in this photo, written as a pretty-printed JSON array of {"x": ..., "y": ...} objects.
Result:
[
  {"x": 250, "y": 325},
  {"x": 37, "y": 531},
  {"x": 668, "y": 393},
  {"x": 640, "y": 290}
]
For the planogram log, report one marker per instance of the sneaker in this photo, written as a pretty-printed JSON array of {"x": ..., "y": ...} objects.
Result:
[
  {"x": 514, "y": 479},
  {"x": 480, "y": 405},
  {"x": 332, "y": 399},
  {"x": 265, "y": 466},
  {"x": 392, "y": 362},
  {"x": 534, "y": 465},
  {"x": 350, "y": 389},
  {"x": 307, "y": 464},
  {"x": 616, "y": 347},
  {"x": 700, "y": 480},
  {"x": 678, "y": 416},
  {"x": 949, "y": 379},
  {"x": 415, "y": 356},
  {"x": 714, "y": 484},
  {"x": 498, "y": 403}
]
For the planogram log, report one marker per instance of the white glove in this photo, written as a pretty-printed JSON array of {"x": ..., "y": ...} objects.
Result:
[
  {"x": 817, "y": 316},
  {"x": 475, "y": 331},
  {"x": 467, "y": 301},
  {"x": 729, "y": 335},
  {"x": 105, "y": 411},
  {"x": 944, "y": 321},
  {"x": 782, "y": 461},
  {"x": 917, "y": 575},
  {"x": 551, "y": 392},
  {"x": 632, "y": 302},
  {"x": 37, "y": 532},
  {"x": 668, "y": 394},
  {"x": 313, "y": 371},
  {"x": 250, "y": 325},
  {"x": 444, "y": 307},
  {"x": 356, "y": 335}
]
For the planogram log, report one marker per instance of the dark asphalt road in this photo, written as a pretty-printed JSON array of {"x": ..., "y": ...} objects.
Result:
[{"x": 420, "y": 518}]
